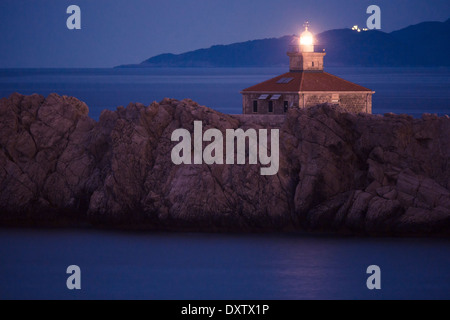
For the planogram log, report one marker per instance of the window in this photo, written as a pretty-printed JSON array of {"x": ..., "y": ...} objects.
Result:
[
  {"x": 335, "y": 98},
  {"x": 285, "y": 80},
  {"x": 276, "y": 97},
  {"x": 313, "y": 63},
  {"x": 286, "y": 106},
  {"x": 255, "y": 106},
  {"x": 270, "y": 106}
]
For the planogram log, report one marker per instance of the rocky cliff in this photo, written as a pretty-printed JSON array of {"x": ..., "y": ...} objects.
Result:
[{"x": 339, "y": 172}]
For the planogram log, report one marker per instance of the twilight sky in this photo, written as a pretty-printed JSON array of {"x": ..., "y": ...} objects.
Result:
[{"x": 33, "y": 33}]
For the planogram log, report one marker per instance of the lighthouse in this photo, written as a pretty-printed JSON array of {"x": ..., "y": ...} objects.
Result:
[
  {"x": 302, "y": 56},
  {"x": 305, "y": 85}
]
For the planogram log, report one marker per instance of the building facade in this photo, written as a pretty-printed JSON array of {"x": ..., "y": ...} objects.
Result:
[{"x": 305, "y": 85}]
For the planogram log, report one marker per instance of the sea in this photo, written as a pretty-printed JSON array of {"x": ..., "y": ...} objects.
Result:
[
  {"x": 411, "y": 91},
  {"x": 159, "y": 266}
]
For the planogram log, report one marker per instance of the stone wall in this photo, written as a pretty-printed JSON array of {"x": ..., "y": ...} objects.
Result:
[
  {"x": 299, "y": 61},
  {"x": 352, "y": 102},
  {"x": 263, "y": 105},
  {"x": 356, "y": 102},
  {"x": 310, "y": 100}
]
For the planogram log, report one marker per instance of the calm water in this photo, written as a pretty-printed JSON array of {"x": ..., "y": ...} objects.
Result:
[
  {"x": 400, "y": 90},
  {"x": 188, "y": 266},
  {"x": 200, "y": 266}
]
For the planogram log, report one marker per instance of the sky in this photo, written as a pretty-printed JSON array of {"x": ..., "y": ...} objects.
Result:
[{"x": 33, "y": 33}]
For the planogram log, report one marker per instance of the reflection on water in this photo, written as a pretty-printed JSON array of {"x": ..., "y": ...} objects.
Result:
[{"x": 206, "y": 266}]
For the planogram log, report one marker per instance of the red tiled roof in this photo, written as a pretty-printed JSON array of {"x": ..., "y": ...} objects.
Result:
[{"x": 306, "y": 81}]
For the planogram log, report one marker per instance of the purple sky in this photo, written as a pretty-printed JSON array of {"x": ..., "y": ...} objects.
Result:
[{"x": 34, "y": 34}]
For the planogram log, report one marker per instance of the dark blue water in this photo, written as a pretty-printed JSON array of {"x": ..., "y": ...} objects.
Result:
[
  {"x": 400, "y": 90},
  {"x": 188, "y": 266},
  {"x": 118, "y": 265}
]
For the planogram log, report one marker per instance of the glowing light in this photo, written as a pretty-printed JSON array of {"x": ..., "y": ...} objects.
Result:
[
  {"x": 356, "y": 28},
  {"x": 306, "y": 39}
]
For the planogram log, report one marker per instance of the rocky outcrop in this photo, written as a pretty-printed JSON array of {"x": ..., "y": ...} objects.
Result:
[{"x": 339, "y": 172}]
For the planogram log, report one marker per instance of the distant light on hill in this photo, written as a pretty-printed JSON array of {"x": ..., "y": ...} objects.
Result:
[{"x": 424, "y": 44}]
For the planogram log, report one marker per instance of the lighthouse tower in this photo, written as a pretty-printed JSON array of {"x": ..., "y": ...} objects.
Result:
[
  {"x": 302, "y": 56},
  {"x": 305, "y": 85}
]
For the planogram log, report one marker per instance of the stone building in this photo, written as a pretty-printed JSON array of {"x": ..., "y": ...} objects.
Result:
[{"x": 305, "y": 85}]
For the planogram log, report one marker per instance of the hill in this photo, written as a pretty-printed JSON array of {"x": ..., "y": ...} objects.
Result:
[{"x": 424, "y": 44}]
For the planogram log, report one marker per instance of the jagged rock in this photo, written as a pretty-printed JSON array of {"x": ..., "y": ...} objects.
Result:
[
  {"x": 43, "y": 155},
  {"x": 341, "y": 172}
]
